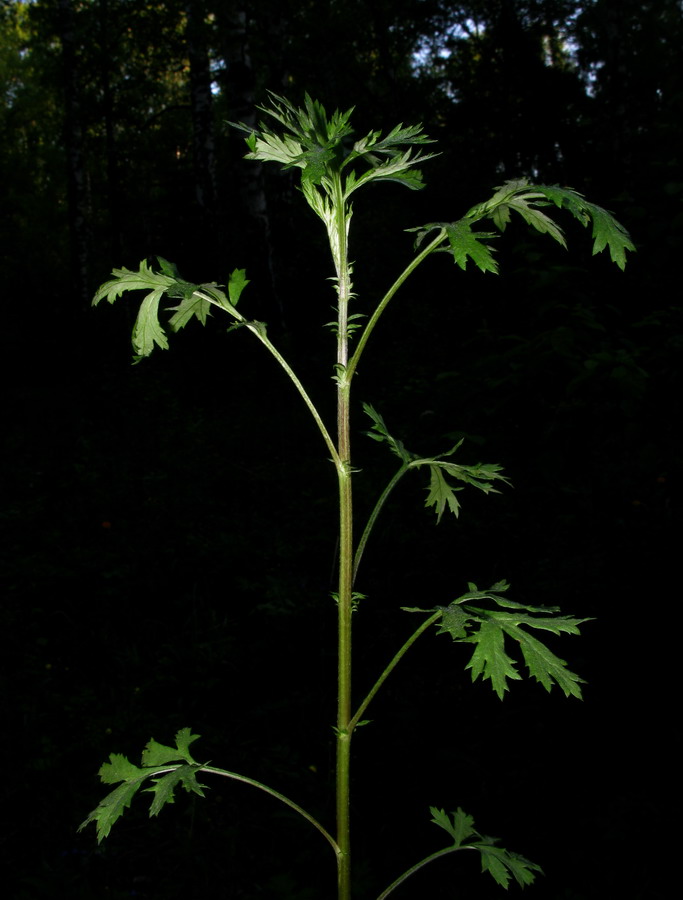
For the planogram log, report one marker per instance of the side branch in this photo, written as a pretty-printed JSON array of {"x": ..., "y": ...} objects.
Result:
[
  {"x": 390, "y": 668},
  {"x": 278, "y": 796},
  {"x": 374, "y": 318},
  {"x": 258, "y": 329},
  {"x": 411, "y": 871},
  {"x": 373, "y": 517}
]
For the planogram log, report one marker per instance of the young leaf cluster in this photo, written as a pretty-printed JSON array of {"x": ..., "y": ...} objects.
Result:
[
  {"x": 319, "y": 144},
  {"x": 500, "y": 863},
  {"x": 528, "y": 201},
  {"x": 441, "y": 492},
  {"x": 165, "y": 766},
  {"x": 195, "y": 300},
  {"x": 487, "y": 628}
]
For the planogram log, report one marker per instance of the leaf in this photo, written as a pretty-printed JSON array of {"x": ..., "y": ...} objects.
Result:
[
  {"x": 608, "y": 232},
  {"x": 309, "y": 138},
  {"x": 155, "y": 760},
  {"x": 441, "y": 494},
  {"x": 527, "y": 200},
  {"x": 500, "y": 863},
  {"x": 453, "y": 621},
  {"x": 156, "y": 754},
  {"x": 460, "y": 829},
  {"x": 196, "y": 300},
  {"x": 118, "y": 769},
  {"x": 191, "y": 306},
  {"x": 497, "y": 861},
  {"x": 236, "y": 284},
  {"x": 488, "y": 628},
  {"x": 480, "y": 475},
  {"x": 532, "y": 216},
  {"x": 147, "y": 331},
  {"x": 490, "y": 659},
  {"x": 168, "y": 268},
  {"x": 112, "y": 808},
  {"x": 467, "y": 244},
  {"x": 164, "y": 787},
  {"x": 543, "y": 665},
  {"x": 380, "y": 433}
]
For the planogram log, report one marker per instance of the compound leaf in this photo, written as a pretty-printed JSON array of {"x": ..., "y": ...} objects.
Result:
[
  {"x": 528, "y": 199},
  {"x": 488, "y": 628},
  {"x": 155, "y": 762},
  {"x": 500, "y": 863},
  {"x": 148, "y": 331}
]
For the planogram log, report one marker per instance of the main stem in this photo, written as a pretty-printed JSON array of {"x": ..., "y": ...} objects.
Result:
[{"x": 339, "y": 243}]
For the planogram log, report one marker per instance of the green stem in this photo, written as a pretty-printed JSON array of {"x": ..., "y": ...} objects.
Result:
[
  {"x": 278, "y": 796},
  {"x": 374, "y": 318},
  {"x": 417, "y": 867},
  {"x": 338, "y": 236},
  {"x": 258, "y": 329},
  {"x": 373, "y": 516},
  {"x": 392, "y": 665}
]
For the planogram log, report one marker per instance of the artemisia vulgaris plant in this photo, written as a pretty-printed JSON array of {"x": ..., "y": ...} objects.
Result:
[{"x": 333, "y": 168}]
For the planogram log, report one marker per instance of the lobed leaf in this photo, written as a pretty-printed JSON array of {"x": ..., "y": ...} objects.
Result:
[
  {"x": 195, "y": 300},
  {"x": 379, "y": 432},
  {"x": 543, "y": 665},
  {"x": 489, "y": 659},
  {"x": 112, "y": 808},
  {"x": 237, "y": 282},
  {"x": 467, "y": 244},
  {"x": 195, "y": 305},
  {"x": 453, "y": 621},
  {"x": 156, "y": 754},
  {"x": 119, "y": 768},
  {"x": 480, "y": 475},
  {"x": 527, "y": 200},
  {"x": 164, "y": 787},
  {"x": 155, "y": 761},
  {"x": 461, "y": 828},
  {"x": 147, "y": 331},
  {"x": 500, "y": 863},
  {"x": 441, "y": 494},
  {"x": 308, "y": 138},
  {"x": 487, "y": 629}
]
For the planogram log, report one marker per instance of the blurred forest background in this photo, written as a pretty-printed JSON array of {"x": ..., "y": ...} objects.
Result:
[{"x": 169, "y": 528}]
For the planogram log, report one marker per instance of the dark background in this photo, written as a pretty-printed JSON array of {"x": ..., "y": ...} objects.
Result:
[{"x": 170, "y": 527}]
